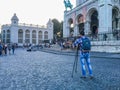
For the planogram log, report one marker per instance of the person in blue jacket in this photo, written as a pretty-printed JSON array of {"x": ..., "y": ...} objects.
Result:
[
  {"x": 84, "y": 45},
  {"x": 1, "y": 48}
]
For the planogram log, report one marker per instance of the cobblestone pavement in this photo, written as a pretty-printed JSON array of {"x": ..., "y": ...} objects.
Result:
[{"x": 46, "y": 71}]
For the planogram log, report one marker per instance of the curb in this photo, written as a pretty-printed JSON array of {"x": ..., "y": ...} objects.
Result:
[{"x": 72, "y": 53}]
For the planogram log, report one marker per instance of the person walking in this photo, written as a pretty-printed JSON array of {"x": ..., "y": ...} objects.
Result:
[
  {"x": 9, "y": 48},
  {"x": 1, "y": 48},
  {"x": 13, "y": 48},
  {"x": 84, "y": 45},
  {"x": 5, "y": 49}
]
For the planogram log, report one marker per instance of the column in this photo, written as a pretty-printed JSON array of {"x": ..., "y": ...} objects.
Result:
[
  {"x": 87, "y": 27},
  {"x": 119, "y": 23},
  {"x": 105, "y": 16},
  {"x": 76, "y": 32},
  {"x": 43, "y": 36},
  {"x": 30, "y": 36},
  {"x": 37, "y": 37},
  {"x": 24, "y": 37}
]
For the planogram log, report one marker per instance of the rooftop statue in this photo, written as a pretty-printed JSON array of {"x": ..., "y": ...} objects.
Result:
[{"x": 68, "y": 4}]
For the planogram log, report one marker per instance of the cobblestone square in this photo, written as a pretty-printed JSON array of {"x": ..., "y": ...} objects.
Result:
[{"x": 46, "y": 71}]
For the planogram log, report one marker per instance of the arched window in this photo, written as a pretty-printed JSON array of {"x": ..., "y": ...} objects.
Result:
[
  {"x": 27, "y": 36},
  {"x": 39, "y": 36},
  {"x": 70, "y": 26},
  {"x": 80, "y": 21},
  {"x": 115, "y": 18},
  {"x": 34, "y": 37},
  {"x": 45, "y": 35},
  {"x": 20, "y": 36},
  {"x": 8, "y": 36},
  {"x": 3, "y": 36}
]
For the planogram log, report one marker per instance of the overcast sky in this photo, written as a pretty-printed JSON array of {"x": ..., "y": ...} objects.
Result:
[{"x": 32, "y": 11}]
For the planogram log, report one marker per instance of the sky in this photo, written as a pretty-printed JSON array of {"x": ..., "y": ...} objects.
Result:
[{"x": 32, "y": 11}]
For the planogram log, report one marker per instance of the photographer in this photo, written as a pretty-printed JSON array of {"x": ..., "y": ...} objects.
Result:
[{"x": 84, "y": 45}]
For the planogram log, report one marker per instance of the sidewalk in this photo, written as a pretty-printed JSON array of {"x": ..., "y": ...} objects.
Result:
[{"x": 57, "y": 50}]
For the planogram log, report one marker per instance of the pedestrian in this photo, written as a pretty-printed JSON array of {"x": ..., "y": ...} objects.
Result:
[
  {"x": 61, "y": 45},
  {"x": 13, "y": 48},
  {"x": 1, "y": 49},
  {"x": 9, "y": 48},
  {"x": 5, "y": 49},
  {"x": 105, "y": 37},
  {"x": 84, "y": 45}
]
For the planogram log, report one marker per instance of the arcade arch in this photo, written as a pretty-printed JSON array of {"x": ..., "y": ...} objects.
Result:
[
  {"x": 27, "y": 36},
  {"x": 45, "y": 35},
  {"x": 80, "y": 22},
  {"x": 8, "y": 36},
  {"x": 20, "y": 36},
  {"x": 40, "y": 37},
  {"x": 34, "y": 36},
  {"x": 4, "y": 36},
  {"x": 115, "y": 18},
  {"x": 70, "y": 27},
  {"x": 92, "y": 17}
]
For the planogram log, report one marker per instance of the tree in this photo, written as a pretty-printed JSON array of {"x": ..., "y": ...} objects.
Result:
[
  {"x": 58, "y": 28},
  {"x": 0, "y": 35},
  {"x": 61, "y": 28}
]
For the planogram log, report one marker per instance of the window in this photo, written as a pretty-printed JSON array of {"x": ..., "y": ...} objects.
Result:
[
  {"x": 45, "y": 35},
  {"x": 20, "y": 36},
  {"x": 34, "y": 37},
  {"x": 27, "y": 36}
]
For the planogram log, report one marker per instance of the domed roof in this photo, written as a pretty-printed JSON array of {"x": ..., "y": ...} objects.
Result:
[
  {"x": 15, "y": 17},
  {"x": 50, "y": 21}
]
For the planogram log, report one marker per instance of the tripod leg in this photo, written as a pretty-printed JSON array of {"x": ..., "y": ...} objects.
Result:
[
  {"x": 73, "y": 67},
  {"x": 75, "y": 63}
]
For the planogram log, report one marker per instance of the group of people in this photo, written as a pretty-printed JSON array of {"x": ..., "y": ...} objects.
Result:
[
  {"x": 82, "y": 42},
  {"x": 7, "y": 49}
]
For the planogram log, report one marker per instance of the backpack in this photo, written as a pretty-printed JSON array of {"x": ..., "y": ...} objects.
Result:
[{"x": 86, "y": 44}]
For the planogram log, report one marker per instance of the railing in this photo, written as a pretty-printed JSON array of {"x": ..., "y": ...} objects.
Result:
[
  {"x": 28, "y": 25},
  {"x": 31, "y": 25},
  {"x": 106, "y": 36},
  {"x": 115, "y": 1}
]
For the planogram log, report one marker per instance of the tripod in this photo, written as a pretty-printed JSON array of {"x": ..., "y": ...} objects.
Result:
[{"x": 75, "y": 62}]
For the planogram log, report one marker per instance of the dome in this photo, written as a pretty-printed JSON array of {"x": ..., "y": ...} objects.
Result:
[
  {"x": 50, "y": 21},
  {"x": 15, "y": 17}
]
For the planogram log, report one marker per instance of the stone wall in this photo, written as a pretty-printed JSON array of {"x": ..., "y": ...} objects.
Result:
[{"x": 106, "y": 46}]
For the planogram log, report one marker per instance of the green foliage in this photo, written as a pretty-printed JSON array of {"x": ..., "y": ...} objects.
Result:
[
  {"x": 58, "y": 28},
  {"x": 0, "y": 35},
  {"x": 61, "y": 28}
]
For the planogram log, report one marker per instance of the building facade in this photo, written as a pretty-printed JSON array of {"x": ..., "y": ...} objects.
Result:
[
  {"x": 92, "y": 16},
  {"x": 25, "y": 33},
  {"x": 99, "y": 19}
]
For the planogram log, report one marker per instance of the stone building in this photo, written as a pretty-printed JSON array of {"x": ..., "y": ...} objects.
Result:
[
  {"x": 97, "y": 18},
  {"x": 22, "y": 33},
  {"x": 92, "y": 16}
]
